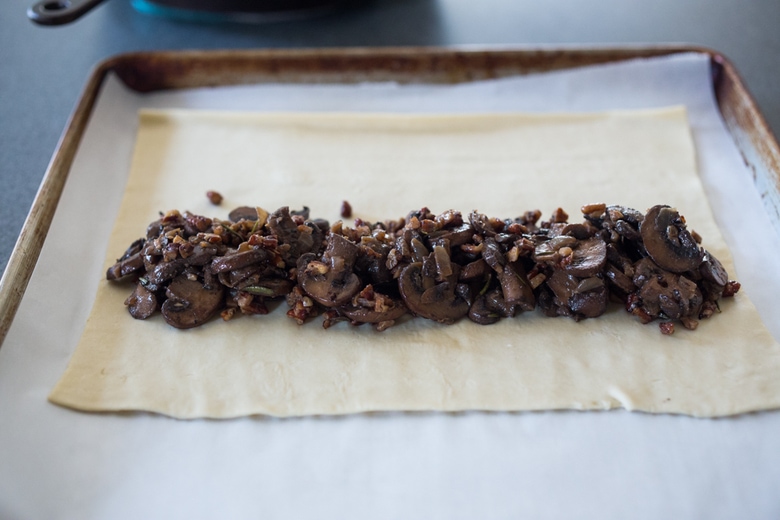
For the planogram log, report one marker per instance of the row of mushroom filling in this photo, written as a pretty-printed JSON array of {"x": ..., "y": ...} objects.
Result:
[{"x": 443, "y": 267}]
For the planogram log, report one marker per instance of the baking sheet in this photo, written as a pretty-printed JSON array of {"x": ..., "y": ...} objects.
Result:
[{"x": 57, "y": 463}]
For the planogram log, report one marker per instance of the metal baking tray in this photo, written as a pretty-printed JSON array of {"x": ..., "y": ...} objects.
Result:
[{"x": 158, "y": 71}]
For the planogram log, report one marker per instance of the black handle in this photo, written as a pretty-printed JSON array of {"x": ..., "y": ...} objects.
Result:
[{"x": 58, "y": 12}]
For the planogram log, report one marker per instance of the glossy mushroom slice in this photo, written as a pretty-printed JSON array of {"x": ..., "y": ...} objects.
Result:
[
  {"x": 590, "y": 298},
  {"x": 578, "y": 298},
  {"x": 130, "y": 262},
  {"x": 238, "y": 260},
  {"x": 371, "y": 262},
  {"x": 480, "y": 312},
  {"x": 142, "y": 303},
  {"x": 668, "y": 241},
  {"x": 488, "y": 308},
  {"x": 429, "y": 299},
  {"x": 587, "y": 258},
  {"x": 246, "y": 213},
  {"x": 714, "y": 277},
  {"x": 516, "y": 290},
  {"x": 190, "y": 303},
  {"x": 330, "y": 282}
]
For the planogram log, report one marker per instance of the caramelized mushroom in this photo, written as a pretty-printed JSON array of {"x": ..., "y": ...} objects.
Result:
[
  {"x": 588, "y": 258},
  {"x": 243, "y": 213},
  {"x": 236, "y": 260},
  {"x": 668, "y": 241},
  {"x": 589, "y": 299},
  {"x": 142, "y": 303},
  {"x": 714, "y": 276},
  {"x": 330, "y": 282},
  {"x": 130, "y": 262},
  {"x": 426, "y": 298},
  {"x": 576, "y": 297},
  {"x": 190, "y": 303},
  {"x": 435, "y": 266},
  {"x": 479, "y": 312}
]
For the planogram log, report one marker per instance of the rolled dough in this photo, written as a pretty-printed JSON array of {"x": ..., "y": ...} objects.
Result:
[{"x": 386, "y": 165}]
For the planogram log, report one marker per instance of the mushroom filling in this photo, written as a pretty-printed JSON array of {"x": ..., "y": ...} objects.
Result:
[{"x": 441, "y": 267}]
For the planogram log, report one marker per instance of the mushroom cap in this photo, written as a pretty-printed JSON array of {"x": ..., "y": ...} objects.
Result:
[
  {"x": 243, "y": 213},
  {"x": 190, "y": 303},
  {"x": 437, "y": 302},
  {"x": 336, "y": 283},
  {"x": 481, "y": 313},
  {"x": 238, "y": 260},
  {"x": 130, "y": 262},
  {"x": 332, "y": 289},
  {"x": 590, "y": 298},
  {"x": 588, "y": 258},
  {"x": 668, "y": 241},
  {"x": 713, "y": 271},
  {"x": 142, "y": 303}
]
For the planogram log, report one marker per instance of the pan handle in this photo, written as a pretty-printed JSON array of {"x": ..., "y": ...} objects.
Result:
[{"x": 58, "y": 12}]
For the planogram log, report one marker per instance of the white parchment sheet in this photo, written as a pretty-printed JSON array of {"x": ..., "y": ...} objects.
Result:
[{"x": 56, "y": 463}]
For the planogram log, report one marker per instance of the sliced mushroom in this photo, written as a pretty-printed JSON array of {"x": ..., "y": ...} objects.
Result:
[
  {"x": 578, "y": 298},
  {"x": 190, "y": 303},
  {"x": 372, "y": 261},
  {"x": 516, "y": 287},
  {"x": 131, "y": 261},
  {"x": 516, "y": 290},
  {"x": 621, "y": 284},
  {"x": 331, "y": 282},
  {"x": 627, "y": 230},
  {"x": 154, "y": 229},
  {"x": 200, "y": 255},
  {"x": 474, "y": 270},
  {"x": 456, "y": 236},
  {"x": 668, "y": 241},
  {"x": 142, "y": 303},
  {"x": 479, "y": 312},
  {"x": 548, "y": 250},
  {"x": 444, "y": 266},
  {"x": 578, "y": 231},
  {"x": 424, "y": 297},
  {"x": 165, "y": 271},
  {"x": 714, "y": 276},
  {"x": 589, "y": 299},
  {"x": 243, "y": 213},
  {"x": 233, "y": 261},
  {"x": 496, "y": 301},
  {"x": 588, "y": 258}
]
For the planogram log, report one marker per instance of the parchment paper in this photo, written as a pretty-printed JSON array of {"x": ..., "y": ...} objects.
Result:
[
  {"x": 387, "y": 165},
  {"x": 60, "y": 464}
]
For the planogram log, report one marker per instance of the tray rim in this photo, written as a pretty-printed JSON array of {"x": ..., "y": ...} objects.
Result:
[{"x": 150, "y": 71}]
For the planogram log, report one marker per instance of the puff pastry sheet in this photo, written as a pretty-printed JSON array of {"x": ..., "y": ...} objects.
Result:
[{"x": 386, "y": 165}]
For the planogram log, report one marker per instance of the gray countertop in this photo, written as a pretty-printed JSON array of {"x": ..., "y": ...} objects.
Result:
[{"x": 44, "y": 68}]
